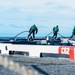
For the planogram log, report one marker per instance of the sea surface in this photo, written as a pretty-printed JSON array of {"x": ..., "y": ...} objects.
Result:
[
  {"x": 43, "y": 66},
  {"x": 7, "y": 38}
]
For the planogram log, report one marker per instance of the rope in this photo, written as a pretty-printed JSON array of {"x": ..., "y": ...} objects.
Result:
[
  {"x": 18, "y": 34},
  {"x": 16, "y": 67},
  {"x": 49, "y": 33},
  {"x": 58, "y": 33},
  {"x": 61, "y": 35},
  {"x": 67, "y": 39}
]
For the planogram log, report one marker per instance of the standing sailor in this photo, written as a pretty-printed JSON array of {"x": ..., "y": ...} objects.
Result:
[
  {"x": 55, "y": 31},
  {"x": 33, "y": 30},
  {"x": 73, "y": 32}
]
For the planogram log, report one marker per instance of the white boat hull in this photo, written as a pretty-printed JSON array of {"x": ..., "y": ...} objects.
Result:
[{"x": 36, "y": 50}]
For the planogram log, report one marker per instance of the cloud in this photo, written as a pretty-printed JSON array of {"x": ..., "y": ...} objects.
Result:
[
  {"x": 64, "y": 7},
  {"x": 21, "y": 3},
  {"x": 21, "y": 14}
]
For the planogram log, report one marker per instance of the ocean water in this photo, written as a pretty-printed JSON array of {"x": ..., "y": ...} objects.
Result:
[{"x": 13, "y": 38}]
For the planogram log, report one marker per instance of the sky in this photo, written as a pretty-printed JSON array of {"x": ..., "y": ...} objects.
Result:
[{"x": 19, "y": 15}]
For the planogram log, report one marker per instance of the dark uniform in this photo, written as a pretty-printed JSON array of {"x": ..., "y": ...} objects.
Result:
[
  {"x": 55, "y": 30},
  {"x": 33, "y": 30},
  {"x": 73, "y": 33}
]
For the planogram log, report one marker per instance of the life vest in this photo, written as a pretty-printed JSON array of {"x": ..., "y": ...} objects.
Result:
[
  {"x": 33, "y": 28},
  {"x": 55, "y": 29},
  {"x": 74, "y": 30}
]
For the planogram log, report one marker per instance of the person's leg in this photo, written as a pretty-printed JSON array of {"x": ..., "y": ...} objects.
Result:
[
  {"x": 33, "y": 34},
  {"x": 29, "y": 33},
  {"x": 55, "y": 35},
  {"x": 71, "y": 37}
]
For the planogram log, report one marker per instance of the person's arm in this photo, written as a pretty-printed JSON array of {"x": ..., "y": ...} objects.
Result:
[
  {"x": 73, "y": 31},
  {"x": 36, "y": 30},
  {"x": 58, "y": 29}
]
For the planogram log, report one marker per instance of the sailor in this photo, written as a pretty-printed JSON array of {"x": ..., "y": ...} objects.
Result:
[
  {"x": 55, "y": 31},
  {"x": 33, "y": 30},
  {"x": 73, "y": 33}
]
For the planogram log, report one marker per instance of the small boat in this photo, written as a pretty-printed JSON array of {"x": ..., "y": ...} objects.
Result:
[{"x": 37, "y": 47}]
